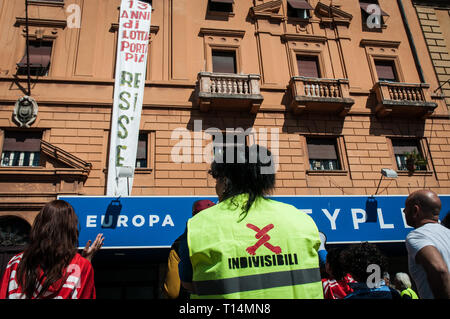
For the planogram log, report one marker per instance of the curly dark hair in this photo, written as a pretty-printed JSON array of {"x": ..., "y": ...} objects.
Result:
[
  {"x": 245, "y": 170},
  {"x": 334, "y": 262},
  {"x": 356, "y": 258}
]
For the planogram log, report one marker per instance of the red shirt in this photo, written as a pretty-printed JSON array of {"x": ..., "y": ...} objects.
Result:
[
  {"x": 79, "y": 283},
  {"x": 337, "y": 289}
]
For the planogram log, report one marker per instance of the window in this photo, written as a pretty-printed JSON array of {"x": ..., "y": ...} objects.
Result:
[
  {"x": 298, "y": 9},
  {"x": 142, "y": 158},
  {"x": 224, "y": 61},
  {"x": 323, "y": 155},
  {"x": 404, "y": 149},
  {"x": 372, "y": 19},
  {"x": 386, "y": 70},
  {"x": 221, "y": 5},
  {"x": 40, "y": 54},
  {"x": 308, "y": 66},
  {"x": 21, "y": 148}
]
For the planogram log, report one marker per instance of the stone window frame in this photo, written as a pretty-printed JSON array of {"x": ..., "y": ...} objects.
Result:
[
  {"x": 425, "y": 152},
  {"x": 341, "y": 153},
  {"x": 382, "y": 50},
  {"x": 222, "y": 40},
  {"x": 39, "y": 29},
  {"x": 306, "y": 46}
]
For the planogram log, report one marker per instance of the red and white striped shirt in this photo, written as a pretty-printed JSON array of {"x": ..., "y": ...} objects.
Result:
[
  {"x": 79, "y": 283},
  {"x": 337, "y": 289}
]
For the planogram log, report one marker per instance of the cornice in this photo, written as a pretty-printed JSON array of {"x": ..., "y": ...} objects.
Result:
[
  {"x": 303, "y": 37},
  {"x": 41, "y": 22},
  {"x": 222, "y": 32},
  {"x": 379, "y": 43}
]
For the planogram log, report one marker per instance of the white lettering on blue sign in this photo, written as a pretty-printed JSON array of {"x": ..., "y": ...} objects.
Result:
[
  {"x": 332, "y": 218},
  {"x": 381, "y": 219},
  {"x": 123, "y": 221},
  {"x": 359, "y": 216},
  {"x": 358, "y": 220}
]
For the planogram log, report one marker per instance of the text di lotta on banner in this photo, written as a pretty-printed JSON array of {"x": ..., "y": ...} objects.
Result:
[{"x": 131, "y": 65}]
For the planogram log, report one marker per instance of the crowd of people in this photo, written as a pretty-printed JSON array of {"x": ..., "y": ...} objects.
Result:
[{"x": 245, "y": 246}]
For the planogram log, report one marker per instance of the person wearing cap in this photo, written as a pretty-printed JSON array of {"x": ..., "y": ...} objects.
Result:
[
  {"x": 249, "y": 246},
  {"x": 172, "y": 288}
]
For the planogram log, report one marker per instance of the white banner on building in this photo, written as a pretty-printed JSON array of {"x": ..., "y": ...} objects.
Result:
[{"x": 131, "y": 65}]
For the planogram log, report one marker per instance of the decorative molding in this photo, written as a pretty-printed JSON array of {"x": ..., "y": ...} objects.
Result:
[
  {"x": 268, "y": 10},
  {"x": 46, "y": 3},
  {"x": 222, "y": 32},
  {"x": 304, "y": 38},
  {"x": 66, "y": 158},
  {"x": 25, "y": 111},
  {"x": 41, "y": 23},
  {"x": 379, "y": 43},
  {"x": 333, "y": 13}
]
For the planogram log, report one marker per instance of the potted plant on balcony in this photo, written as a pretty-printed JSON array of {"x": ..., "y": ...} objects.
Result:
[{"x": 414, "y": 160}]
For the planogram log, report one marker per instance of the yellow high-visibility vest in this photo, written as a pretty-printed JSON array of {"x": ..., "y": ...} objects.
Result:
[{"x": 269, "y": 254}]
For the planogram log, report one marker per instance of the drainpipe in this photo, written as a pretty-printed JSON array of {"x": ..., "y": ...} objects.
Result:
[
  {"x": 411, "y": 41},
  {"x": 28, "y": 49}
]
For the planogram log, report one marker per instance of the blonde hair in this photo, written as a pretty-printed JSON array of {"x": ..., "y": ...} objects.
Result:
[{"x": 403, "y": 280}]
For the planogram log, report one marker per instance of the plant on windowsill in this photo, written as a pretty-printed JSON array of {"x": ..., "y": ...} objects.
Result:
[{"x": 414, "y": 160}]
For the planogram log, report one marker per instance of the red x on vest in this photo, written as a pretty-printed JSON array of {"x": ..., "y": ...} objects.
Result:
[{"x": 261, "y": 234}]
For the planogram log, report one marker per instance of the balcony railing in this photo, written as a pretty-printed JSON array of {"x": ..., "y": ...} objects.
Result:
[
  {"x": 404, "y": 99},
  {"x": 320, "y": 95},
  {"x": 229, "y": 91}
]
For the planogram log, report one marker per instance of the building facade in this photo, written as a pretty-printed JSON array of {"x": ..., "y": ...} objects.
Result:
[
  {"x": 434, "y": 18},
  {"x": 338, "y": 89}
]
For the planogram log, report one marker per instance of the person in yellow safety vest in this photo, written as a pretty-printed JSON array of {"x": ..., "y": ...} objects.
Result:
[
  {"x": 402, "y": 283},
  {"x": 249, "y": 246}
]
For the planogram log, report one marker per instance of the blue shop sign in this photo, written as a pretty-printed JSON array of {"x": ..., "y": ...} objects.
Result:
[{"x": 155, "y": 222}]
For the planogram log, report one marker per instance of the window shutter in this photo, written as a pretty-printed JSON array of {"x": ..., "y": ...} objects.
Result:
[
  {"x": 308, "y": 66},
  {"x": 405, "y": 146},
  {"x": 40, "y": 54},
  {"x": 322, "y": 149},
  {"x": 300, "y": 4},
  {"x": 386, "y": 70},
  {"x": 21, "y": 142},
  {"x": 27, "y": 145},
  {"x": 224, "y": 61}
]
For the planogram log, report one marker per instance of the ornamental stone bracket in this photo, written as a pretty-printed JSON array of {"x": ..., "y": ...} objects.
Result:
[{"x": 25, "y": 111}]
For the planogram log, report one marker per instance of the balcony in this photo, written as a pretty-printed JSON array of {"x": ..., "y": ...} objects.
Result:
[
  {"x": 403, "y": 99},
  {"x": 320, "y": 95},
  {"x": 226, "y": 91}
]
